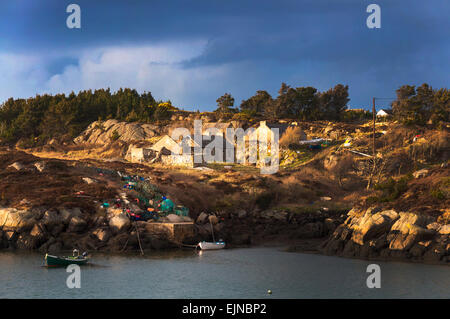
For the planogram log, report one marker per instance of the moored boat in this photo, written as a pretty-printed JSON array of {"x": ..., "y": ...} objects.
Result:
[
  {"x": 204, "y": 245},
  {"x": 54, "y": 261}
]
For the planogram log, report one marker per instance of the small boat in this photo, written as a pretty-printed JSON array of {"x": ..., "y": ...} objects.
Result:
[
  {"x": 204, "y": 245},
  {"x": 214, "y": 245},
  {"x": 53, "y": 261}
]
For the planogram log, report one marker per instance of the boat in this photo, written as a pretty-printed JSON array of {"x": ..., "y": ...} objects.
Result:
[
  {"x": 214, "y": 245},
  {"x": 204, "y": 245},
  {"x": 75, "y": 259}
]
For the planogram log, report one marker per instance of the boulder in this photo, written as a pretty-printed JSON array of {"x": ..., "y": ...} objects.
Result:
[
  {"x": 202, "y": 218},
  {"x": 407, "y": 231},
  {"x": 373, "y": 225},
  {"x": 10, "y": 235},
  {"x": 119, "y": 223},
  {"x": 35, "y": 239},
  {"x": 13, "y": 219},
  {"x": 77, "y": 224},
  {"x": 66, "y": 214},
  {"x": 37, "y": 231},
  {"x": 28, "y": 242},
  {"x": 51, "y": 219}
]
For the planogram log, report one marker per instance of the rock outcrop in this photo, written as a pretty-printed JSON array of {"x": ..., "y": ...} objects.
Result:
[
  {"x": 100, "y": 132},
  {"x": 119, "y": 223},
  {"x": 390, "y": 234}
]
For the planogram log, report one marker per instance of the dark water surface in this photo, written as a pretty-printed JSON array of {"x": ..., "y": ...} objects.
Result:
[{"x": 229, "y": 273}]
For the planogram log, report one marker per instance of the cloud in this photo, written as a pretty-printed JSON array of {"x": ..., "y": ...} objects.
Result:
[
  {"x": 20, "y": 74},
  {"x": 158, "y": 69}
]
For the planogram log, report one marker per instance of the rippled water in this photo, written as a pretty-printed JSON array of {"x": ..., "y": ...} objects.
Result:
[{"x": 229, "y": 273}]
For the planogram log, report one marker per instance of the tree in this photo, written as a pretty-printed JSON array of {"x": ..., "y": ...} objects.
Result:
[
  {"x": 440, "y": 111},
  {"x": 224, "y": 103},
  {"x": 334, "y": 102},
  {"x": 278, "y": 108},
  {"x": 257, "y": 103},
  {"x": 418, "y": 106},
  {"x": 306, "y": 104}
]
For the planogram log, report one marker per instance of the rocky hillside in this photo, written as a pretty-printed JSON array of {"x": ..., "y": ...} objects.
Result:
[
  {"x": 398, "y": 210},
  {"x": 104, "y": 132}
]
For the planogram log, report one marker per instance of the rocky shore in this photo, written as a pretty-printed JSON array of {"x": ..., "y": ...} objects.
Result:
[
  {"x": 107, "y": 229},
  {"x": 388, "y": 234},
  {"x": 371, "y": 233}
]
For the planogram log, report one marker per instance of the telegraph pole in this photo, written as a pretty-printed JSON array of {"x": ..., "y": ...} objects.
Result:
[
  {"x": 373, "y": 137},
  {"x": 373, "y": 146}
]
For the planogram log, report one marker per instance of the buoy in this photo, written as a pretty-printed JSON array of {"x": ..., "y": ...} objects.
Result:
[{"x": 269, "y": 292}]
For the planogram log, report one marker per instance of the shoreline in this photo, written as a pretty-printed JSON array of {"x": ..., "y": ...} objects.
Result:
[{"x": 296, "y": 246}]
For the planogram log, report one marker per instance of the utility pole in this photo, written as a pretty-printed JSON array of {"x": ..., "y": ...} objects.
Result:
[
  {"x": 373, "y": 137},
  {"x": 373, "y": 146}
]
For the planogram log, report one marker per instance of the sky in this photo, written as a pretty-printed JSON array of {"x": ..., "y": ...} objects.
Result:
[{"x": 193, "y": 51}]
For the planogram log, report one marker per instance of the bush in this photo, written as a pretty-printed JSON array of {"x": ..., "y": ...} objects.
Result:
[
  {"x": 292, "y": 136},
  {"x": 114, "y": 136},
  {"x": 392, "y": 189}
]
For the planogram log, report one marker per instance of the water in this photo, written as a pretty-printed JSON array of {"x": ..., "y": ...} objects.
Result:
[{"x": 232, "y": 273}]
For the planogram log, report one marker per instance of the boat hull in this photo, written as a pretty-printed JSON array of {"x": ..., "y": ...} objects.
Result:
[
  {"x": 211, "y": 246},
  {"x": 55, "y": 261}
]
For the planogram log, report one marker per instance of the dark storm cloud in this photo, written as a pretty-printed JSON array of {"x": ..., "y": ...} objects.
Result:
[{"x": 320, "y": 42}]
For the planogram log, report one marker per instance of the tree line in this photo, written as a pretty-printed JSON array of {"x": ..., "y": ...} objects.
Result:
[
  {"x": 422, "y": 105},
  {"x": 302, "y": 103},
  {"x": 46, "y": 116}
]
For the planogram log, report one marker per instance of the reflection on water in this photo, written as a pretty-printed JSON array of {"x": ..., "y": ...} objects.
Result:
[{"x": 229, "y": 273}]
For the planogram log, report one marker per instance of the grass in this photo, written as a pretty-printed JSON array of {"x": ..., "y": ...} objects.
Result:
[{"x": 391, "y": 189}]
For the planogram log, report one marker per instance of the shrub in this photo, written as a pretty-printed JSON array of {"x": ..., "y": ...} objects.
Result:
[
  {"x": 292, "y": 136},
  {"x": 392, "y": 189},
  {"x": 114, "y": 136}
]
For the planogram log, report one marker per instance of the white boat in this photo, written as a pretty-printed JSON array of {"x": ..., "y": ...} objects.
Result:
[
  {"x": 214, "y": 245},
  {"x": 204, "y": 245}
]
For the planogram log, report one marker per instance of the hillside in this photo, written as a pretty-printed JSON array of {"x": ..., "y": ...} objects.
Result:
[{"x": 318, "y": 201}]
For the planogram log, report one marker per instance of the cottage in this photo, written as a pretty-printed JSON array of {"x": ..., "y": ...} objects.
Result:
[
  {"x": 138, "y": 154},
  {"x": 169, "y": 144},
  {"x": 384, "y": 113}
]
